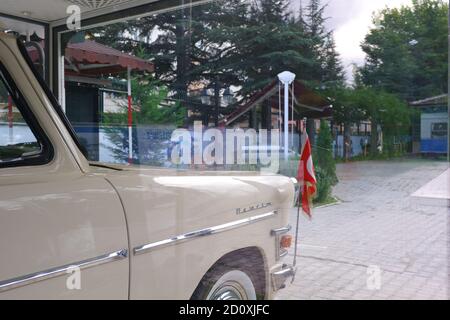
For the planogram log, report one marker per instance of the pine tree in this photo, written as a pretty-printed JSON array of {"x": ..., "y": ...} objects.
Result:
[
  {"x": 327, "y": 70},
  {"x": 271, "y": 11},
  {"x": 241, "y": 44},
  {"x": 317, "y": 33},
  {"x": 301, "y": 18},
  {"x": 185, "y": 45},
  {"x": 270, "y": 44},
  {"x": 334, "y": 75},
  {"x": 316, "y": 21}
]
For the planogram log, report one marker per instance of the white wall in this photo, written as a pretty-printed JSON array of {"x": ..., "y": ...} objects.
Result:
[{"x": 429, "y": 118}]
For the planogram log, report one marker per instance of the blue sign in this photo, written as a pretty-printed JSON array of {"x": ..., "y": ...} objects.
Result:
[{"x": 433, "y": 146}]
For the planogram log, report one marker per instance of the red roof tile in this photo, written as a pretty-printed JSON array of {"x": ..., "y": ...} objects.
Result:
[{"x": 95, "y": 53}]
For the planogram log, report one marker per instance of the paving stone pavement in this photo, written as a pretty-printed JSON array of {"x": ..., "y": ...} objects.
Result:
[{"x": 378, "y": 228}]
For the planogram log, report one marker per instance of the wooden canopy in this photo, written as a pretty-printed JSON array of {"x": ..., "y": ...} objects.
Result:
[{"x": 90, "y": 58}]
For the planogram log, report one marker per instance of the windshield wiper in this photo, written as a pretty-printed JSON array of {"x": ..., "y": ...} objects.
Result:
[{"x": 105, "y": 166}]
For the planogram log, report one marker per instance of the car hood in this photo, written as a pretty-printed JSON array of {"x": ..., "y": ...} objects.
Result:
[
  {"x": 206, "y": 188},
  {"x": 199, "y": 195}
]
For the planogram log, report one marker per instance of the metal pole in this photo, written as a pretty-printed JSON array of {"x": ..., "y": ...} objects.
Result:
[
  {"x": 299, "y": 200},
  {"x": 286, "y": 120},
  {"x": 279, "y": 113},
  {"x": 292, "y": 111},
  {"x": 286, "y": 78},
  {"x": 299, "y": 204},
  {"x": 130, "y": 119}
]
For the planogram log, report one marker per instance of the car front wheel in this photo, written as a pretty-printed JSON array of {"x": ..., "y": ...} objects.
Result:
[
  {"x": 233, "y": 285},
  {"x": 230, "y": 284}
]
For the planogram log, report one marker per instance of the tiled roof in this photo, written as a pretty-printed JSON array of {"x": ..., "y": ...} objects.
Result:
[{"x": 95, "y": 53}]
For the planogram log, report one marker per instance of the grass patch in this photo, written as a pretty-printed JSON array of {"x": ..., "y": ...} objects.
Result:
[{"x": 328, "y": 201}]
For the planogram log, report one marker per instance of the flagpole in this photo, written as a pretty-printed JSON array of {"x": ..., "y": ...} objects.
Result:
[
  {"x": 299, "y": 200},
  {"x": 297, "y": 225}
]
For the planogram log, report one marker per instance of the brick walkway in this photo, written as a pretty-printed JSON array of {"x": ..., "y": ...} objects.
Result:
[{"x": 378, "y": 227}]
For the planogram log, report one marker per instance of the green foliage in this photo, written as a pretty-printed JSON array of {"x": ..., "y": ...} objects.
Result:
[
  {"x": 3, "y": 92},
  {"x": 328, "y": 70},
  {"x": 324, "y": 163},
  {"x": 386, "y": 109},
  {"x": 407, "y": 50},
  {"x": 407, "y": 59},
  {"x": 149, "y": 97},
  {"x": 346, "y": 107},
  {"x": 352, "y": 105},
  {"x": 323, "y": 154},
  {"x": 270, "y": 43},
  {"x": 233, "y": 42},
  {"x": 324, "y": 185}
]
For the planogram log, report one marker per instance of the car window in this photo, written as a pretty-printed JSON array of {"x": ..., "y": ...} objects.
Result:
[{"x": 20, "y": 143}]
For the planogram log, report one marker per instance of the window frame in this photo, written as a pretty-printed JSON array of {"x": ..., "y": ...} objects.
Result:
[
  {"x": 143, "y": 10},
  {"x": 47, "y": 32},
  {"x": 47, "y": 151}
]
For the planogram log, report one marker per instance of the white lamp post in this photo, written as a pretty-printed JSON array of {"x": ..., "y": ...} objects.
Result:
[{"x": 286, "y": 78}]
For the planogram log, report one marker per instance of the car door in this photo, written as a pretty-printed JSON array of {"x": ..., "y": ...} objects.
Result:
[{"x": 62, "y": 230}]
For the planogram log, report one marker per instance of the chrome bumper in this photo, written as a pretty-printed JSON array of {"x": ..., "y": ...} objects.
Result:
[{"x": 280, "y": 277}]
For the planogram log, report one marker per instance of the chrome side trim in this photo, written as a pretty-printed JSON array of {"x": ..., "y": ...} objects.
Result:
[
  {"x": 201, "y": 233},
  {"x": 283, "y": 230},
  {"x": 59, "y": 271}
]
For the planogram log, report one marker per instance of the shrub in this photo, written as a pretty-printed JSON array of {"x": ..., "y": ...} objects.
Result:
[
  {"x": 324, "y": 163},
  {"x": 323, "y": 153},
  {"x": 324, "y": 185}
]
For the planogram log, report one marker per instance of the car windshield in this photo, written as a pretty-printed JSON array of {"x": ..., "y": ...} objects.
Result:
[
  {"x": 349, "y": 98},
  {"x": 36, "y": 63}
]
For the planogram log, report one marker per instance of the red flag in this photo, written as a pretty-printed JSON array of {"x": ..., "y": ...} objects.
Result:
[{"x": 306, "y": 177}]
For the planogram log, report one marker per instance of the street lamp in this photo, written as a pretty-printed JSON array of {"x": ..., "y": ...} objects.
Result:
[
  {"x": 286, "y": 78},
  {"x": 207, "y": 99},
  {"x": 228, "y": 97}
]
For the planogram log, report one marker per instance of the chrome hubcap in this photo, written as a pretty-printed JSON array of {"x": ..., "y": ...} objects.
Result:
[{"x": 229, "y": 291}]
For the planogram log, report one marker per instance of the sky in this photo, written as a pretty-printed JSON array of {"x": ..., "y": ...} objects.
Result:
[{"x": 351, "y": 20}]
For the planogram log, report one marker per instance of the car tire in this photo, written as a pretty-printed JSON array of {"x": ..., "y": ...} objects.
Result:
[{"x": 226, "y": 284}]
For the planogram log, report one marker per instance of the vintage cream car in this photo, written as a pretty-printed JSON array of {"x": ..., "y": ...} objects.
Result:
[{"x": 127, "y": 232}]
